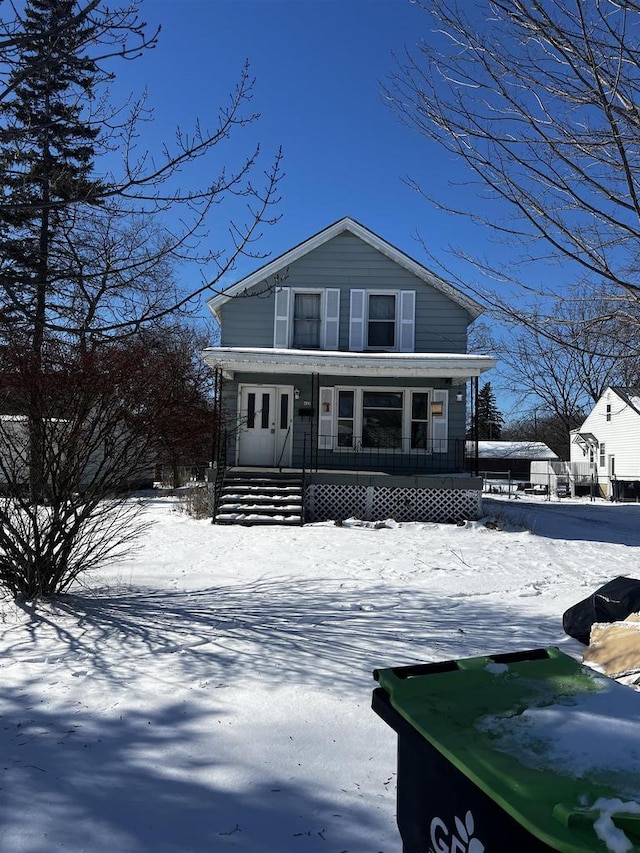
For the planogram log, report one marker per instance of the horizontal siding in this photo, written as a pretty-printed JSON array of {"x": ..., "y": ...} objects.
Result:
[
  {"x": 620, "y": 435},
  {"x": 347, "y": 262},
  {"x": 304, "y": 427}
]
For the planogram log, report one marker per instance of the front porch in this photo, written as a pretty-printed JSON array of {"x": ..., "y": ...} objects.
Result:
[{"x": 371, "y": 495}]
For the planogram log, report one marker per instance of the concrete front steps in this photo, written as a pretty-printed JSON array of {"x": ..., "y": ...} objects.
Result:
[{"x": 260, "y": 499}]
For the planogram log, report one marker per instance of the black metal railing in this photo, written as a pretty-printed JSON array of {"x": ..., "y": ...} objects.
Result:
[
  {"x": 219, "y": 466},
  {"x": 437, "y": 456}
]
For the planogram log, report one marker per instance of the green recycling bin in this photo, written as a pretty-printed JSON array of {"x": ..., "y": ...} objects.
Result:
[{"x": 476, "y": 773}]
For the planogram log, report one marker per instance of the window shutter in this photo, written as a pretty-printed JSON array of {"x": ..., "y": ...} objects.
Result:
[
  {"x": 325, "y": 419},
  {"x": 331, "y": 339},
  {"x": 406, "y": 337},
  {"x": 281, "y": 319},
  {"x": 440, "y": 423},
  {"x": 356, "y": 320}
]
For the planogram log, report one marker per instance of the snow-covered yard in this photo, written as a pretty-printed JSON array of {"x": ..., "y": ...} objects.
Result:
[{"x": 212, "y": 693}]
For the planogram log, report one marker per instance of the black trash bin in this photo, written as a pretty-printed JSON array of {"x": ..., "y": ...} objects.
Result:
[{"x": 457, "y": 792}]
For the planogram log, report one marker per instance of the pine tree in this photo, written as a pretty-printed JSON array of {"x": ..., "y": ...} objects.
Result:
[
  {"x": 487, "y": 416},
  {"x": 86, "y": 259},
  {"x": 46, "y": 167}
]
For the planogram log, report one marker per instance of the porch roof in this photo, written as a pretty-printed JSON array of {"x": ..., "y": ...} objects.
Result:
[{"x": 460, "y": 367}]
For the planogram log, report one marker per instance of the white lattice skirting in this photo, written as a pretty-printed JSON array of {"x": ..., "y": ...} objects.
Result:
[{"x": 324, "y": 502}]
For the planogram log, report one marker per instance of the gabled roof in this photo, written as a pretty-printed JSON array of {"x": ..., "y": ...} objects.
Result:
[
  {"x": 396, "y": 255},
  {"x": 631, "y": 396}
]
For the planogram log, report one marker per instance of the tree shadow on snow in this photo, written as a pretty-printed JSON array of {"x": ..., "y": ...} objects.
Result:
[
  {"x": 289, "y": 630},
  {"x": 79, "y": 782},
  {"x": 617, "y": 524}
]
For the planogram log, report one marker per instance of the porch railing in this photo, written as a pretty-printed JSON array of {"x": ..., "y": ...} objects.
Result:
[{"x": 437, "y": 456}]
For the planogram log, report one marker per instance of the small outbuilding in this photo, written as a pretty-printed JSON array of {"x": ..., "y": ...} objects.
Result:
[{"x": 507, "y": 458}]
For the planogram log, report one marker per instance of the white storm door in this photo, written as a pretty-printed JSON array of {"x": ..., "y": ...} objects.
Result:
[{"x": 257, "y": 427}]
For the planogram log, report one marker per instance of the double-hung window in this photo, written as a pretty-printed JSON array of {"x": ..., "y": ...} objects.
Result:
[
  {"x": 307, "y": 320},
  {"x": 382, "y": 320}
]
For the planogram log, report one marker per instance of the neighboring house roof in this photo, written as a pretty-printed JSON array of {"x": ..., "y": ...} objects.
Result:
[
  {"x": 631, "y": 396},
  {"x": 399, "y": 257},
  {"x": 511, "y": 450},
  {"x": 391, "y": 365}
]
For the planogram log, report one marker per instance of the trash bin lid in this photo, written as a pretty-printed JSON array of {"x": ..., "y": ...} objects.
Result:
[{"x": 475, "y": 712}]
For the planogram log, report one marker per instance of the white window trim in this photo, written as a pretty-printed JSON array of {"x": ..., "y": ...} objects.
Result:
[
  {"x": 325, "y": 320},
  {"x": 292, "y": 303},
  {"x": 359, "y": 390},
  {"x": 403, "y": 325},
  {"x": 396, "y": 320}
]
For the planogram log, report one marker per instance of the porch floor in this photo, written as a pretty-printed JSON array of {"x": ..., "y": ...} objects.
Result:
[{"x": 292, "y": 472}]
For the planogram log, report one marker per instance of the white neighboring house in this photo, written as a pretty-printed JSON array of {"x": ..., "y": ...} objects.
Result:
[{"x": 608, "y": 444}]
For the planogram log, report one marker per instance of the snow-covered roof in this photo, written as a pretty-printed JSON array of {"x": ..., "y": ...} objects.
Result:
[
  {"x": 511, "y": 450},
  {"x": 460, "y": 367},
  {"x": 631, "y": 396},
  {"x": 346, "y": 224}
]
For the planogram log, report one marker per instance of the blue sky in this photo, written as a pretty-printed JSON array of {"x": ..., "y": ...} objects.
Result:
[{"x": 318, "y": 66}]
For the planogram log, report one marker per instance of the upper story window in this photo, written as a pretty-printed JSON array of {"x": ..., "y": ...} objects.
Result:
[
  {"x": 608, "y": 411},
  {"x": 382, "y": 320},
  {"x": 306, "y": 318}
]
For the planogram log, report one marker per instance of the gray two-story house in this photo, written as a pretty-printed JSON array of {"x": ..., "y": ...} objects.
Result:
[{"x": 344, "y": 359}]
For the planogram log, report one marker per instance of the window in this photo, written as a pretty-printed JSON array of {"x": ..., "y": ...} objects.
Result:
[
  {"x": 265, "y": 411},
  {"x": 608, "y": 415},
  {"x": 284, "y": 411},
  {"x": 381, "y": 321},
  {"x": 306, "y": 321},
  {"x": 385, "y": 419},
  {"x": 419, "y": 420},
  {"x": 382, "y": 419},
  {"x": 306, "y": 318},
  {"x": 602, "y": 456},
  {"x": 346, "y": 411},
  {"x": 251, "y": 411}
]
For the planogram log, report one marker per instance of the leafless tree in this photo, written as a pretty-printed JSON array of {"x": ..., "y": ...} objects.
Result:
[
  {"x": 92, "y": 228},
  {"x": 540, "y": 101}
]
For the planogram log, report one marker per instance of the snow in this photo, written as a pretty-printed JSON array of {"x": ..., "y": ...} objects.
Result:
[
  {"x": 212, "y": 692},
  {"x": 578, "y": 736},
  {"x": 511, "y": 450}
]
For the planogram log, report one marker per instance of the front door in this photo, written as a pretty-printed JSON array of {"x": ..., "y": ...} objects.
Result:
[{"x": 265, "y": 426}]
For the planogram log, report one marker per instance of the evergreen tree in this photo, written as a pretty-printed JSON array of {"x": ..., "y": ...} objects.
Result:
[
  {"x": 487, "y": 416},
  {"x": 85, "y": 262},
  {"x": 46, "y": 167}
]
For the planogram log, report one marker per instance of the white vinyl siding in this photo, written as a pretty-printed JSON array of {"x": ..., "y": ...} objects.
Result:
[{"x": 619, "y": 433}]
